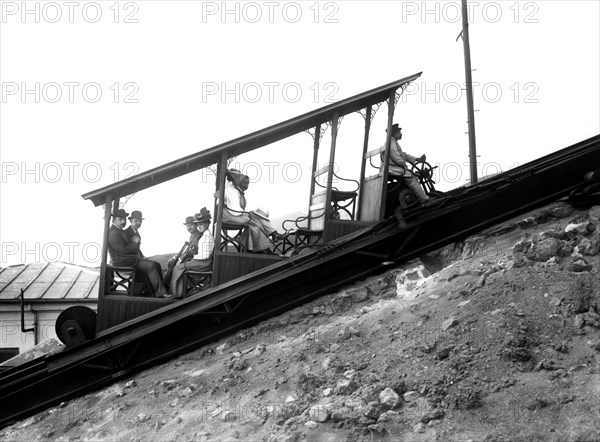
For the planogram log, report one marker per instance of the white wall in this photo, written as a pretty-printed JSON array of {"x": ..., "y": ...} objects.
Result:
[{"x": 10, "y": 324}]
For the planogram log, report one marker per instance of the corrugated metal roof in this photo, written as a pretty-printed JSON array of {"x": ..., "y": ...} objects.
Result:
[{"x": 49, "y": 281}]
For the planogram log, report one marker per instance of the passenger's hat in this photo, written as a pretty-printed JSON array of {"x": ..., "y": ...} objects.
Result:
[
  {"x": 233, "y": 173},
  {"x": 136, "y": 214},
  {"x": 394, "y": 127},
  {"x": 189, "y": 220},
  {"x": 120, "y": 214},
  {"x": 238, "y": 178},
  {"x": 203, "y": 216},
  {"x": 262, "y": 212}
]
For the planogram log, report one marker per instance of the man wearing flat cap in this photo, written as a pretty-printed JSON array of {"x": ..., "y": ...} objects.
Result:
[
  {"x": 201, "y": 250},
  {"x": 398, "y": 167},
  {"x": 124, "y": 252}
]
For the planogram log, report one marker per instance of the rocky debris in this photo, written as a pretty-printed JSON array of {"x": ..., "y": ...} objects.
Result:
[
  {"x": 142, "y": 417},
  {"x": 594, "y": 344},
  {"x": 420, "y": 428},
  {"x": 466, "y": 398},
  {"x": 583, "y": 228},
  {"x": 502, "y": 384},
  {"x": 310, "y": 382},
  {"x": 411, "y": 396},
  {"x": 562, "y": 210},
  {"x": 546, "y": 364},
  {"x": 410, "y": 278},
  {"x": 186, "y": 392},
  {"x": 170, "y": 384},
  {"x": 228, "y": 416},
  {"x": 346, "y": 333},
  {"x": 318, "y": 413},
  {"x": 444, "y": 352},
  {"x": 449, "y": 323},
  {"x": 387, "y": 416},
  {"x": 555, "y": 301},
  {"x": 373, "y": 410},
  {"x": 587, "y": 247},
  {"x": 591, "y": 318},
  {"x": 433, "y": 415},
  {"x": 221, "y": 348},
  {"x": 536, "y": 403},
  {"x": 389, "y": 399},
  {"x": 359, "y": 295},
  {"x": 543, "y": 250},
  {"x": 345, "y": 386},
  {"x": 516, "y": 349},
  {"x": 579, "y": 265}
]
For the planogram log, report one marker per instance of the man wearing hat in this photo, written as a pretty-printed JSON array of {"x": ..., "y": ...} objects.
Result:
[
  {"x": 200, "y": 251},
  {"x": 234, "y": 212},
  {"x": 135, "y": 222},
  {"x": 133, "y": 231},
  {"x": 397, "y": 166},
  {"x": 124, "y": 252}
]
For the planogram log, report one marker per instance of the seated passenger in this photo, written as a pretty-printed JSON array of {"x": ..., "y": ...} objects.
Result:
[
  {"x": 234, "y": 212},
  {"x": 199, "y": 256},
  {"x": 135, "y": 222},
  {"x": 124, "y": 252},
  {"x": 397, "y": 166}
]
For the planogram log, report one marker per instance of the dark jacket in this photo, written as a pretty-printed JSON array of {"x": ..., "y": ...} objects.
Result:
[
  {"x": 130, "y": 234},
  {"x": 193, "y": 247},
  {"x": 122, "y": 251}
]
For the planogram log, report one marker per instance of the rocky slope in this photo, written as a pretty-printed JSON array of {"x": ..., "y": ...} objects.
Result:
[{"x": 495, "y": 338}]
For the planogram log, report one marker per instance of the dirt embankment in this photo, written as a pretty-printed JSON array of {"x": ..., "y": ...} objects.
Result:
[{"x": 495, "y": 338}]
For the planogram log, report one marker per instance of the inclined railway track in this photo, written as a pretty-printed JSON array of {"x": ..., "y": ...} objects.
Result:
[{"x": 184, "y": 326}]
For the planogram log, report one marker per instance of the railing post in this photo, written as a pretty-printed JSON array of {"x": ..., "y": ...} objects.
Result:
[
  {"x": 386, "y": 158},
  {"x": 108, "y": 202},
  {"x": 221, "y": 172},
  {"x": 327, "y": 213},
  {"x": 316, "y": 143},
  {"x": 364, "y": 161}
]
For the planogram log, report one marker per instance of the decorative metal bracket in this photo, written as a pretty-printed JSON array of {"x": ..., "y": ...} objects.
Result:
[
  {"x": 312, "y": 130},
  {"x": 397, "y": 95},
  {"x": 374, "y": 108},
  {"x": 124, "y": 200},
  {"x": 339, "y": 122}
]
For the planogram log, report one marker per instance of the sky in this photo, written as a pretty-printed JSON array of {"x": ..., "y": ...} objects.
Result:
[{"x": 95, "y": 92}]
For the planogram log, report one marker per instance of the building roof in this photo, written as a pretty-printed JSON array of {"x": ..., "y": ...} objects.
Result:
[{"x": 50, "y": 281}]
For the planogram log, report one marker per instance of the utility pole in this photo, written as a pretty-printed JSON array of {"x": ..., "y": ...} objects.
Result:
[{"x": 469, "y": 87}]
